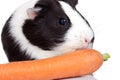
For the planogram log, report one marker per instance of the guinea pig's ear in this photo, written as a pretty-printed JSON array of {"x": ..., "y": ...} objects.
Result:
[{"x": 32, "y": 12}]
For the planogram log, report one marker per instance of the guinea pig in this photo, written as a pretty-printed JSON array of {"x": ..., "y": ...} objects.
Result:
[{"x": 46, "y": 28}]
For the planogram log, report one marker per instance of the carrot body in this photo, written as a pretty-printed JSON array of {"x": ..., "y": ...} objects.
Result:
[{"x": 72, "y": 64}]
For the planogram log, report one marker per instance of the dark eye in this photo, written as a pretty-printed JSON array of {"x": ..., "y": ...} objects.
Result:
[{"x": 63, "y": 21}]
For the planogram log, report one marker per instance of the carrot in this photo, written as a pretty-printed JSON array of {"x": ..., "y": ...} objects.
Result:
[{"x": 78, "y": 63}]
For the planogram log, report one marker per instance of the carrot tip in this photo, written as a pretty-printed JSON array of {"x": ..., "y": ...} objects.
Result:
[{"x": 105, "y": 56}]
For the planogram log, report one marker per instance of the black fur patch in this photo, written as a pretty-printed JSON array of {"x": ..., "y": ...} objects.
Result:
[{"x": 45, "y": 31}]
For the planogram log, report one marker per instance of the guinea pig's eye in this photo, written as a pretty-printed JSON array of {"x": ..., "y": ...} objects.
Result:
[{"x": 63, "y": 21}]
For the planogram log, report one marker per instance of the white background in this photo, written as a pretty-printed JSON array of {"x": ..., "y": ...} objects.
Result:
[{"x": 104, "y": 17}]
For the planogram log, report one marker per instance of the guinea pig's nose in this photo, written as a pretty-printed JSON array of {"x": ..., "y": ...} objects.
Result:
[
  {"x": 89, "y": 40},
  {"x": 86, "y": 41}
]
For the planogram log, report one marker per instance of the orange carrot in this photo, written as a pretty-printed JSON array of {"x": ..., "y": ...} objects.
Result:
[{"x": 78, "y": 63}]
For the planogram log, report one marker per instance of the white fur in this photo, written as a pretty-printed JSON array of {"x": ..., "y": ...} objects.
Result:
[{"x": 74, "y": 38}]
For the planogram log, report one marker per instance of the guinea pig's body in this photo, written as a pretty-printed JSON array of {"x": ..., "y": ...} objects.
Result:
[{"x": 45, "y": 28}]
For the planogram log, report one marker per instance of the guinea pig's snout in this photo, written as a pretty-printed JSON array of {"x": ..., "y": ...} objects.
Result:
[
  {"x": 89, "y": 41},
  {"x": 86, "y": 41}
]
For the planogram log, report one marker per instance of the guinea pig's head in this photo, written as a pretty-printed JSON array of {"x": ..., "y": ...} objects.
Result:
[{"x": 56, "y": 25}]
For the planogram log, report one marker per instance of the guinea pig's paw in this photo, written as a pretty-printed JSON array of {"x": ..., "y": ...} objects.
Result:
[{"x": 87, "y": 77}]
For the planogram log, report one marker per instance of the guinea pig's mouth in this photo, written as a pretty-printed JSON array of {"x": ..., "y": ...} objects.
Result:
[
  {"x": 85, "y": 46},
  {"x": 80, "y": 49}
]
